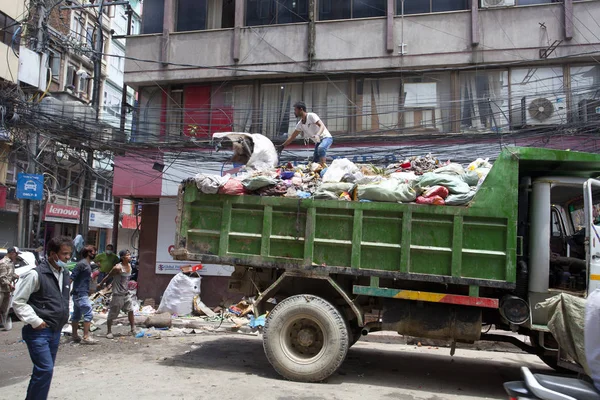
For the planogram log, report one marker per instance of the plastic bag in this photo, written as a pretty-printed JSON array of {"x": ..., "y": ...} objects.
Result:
[
  {"x": 258, "y": 182},
  {"x": 338, "y": 168},
  {"x": 433, "y": 200},
  {"x": 390, "y": 191},
  {"x": 178, "y": 297},
  {"x": 460, "y": 199},
  {"x": 479, "y": 163},
  {"x": 454, "y": 183},
  {"x": 210, "y": 184},
  {"x": 440, "y": 191},
  {"x": 233, "y": 187},
  {"x": 452, "y": 168}
]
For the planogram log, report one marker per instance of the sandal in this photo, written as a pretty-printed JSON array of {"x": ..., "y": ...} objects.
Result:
[
  {"x": 110, "y": 336},
  {"x": 89, "y": 341}
]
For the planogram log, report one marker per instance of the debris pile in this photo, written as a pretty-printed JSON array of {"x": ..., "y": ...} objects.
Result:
[{"x": 421, "y": 180}]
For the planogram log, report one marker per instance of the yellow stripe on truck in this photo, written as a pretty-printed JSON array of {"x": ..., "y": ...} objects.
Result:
[
  {"x": 420, "y": 296},
  {"x": 595, "y": 277}
]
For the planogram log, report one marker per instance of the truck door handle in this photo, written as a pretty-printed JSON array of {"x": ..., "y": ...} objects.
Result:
[{"x": 596, "y": 256}]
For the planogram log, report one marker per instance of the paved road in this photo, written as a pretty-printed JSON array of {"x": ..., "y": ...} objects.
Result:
[{"x": 228, "y": 366}]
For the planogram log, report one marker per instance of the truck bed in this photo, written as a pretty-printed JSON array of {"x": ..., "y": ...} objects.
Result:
[{"x": 470, "y": 245}]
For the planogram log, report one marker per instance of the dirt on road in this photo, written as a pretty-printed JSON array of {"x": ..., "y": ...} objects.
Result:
[{"x": 230, "y": 366}]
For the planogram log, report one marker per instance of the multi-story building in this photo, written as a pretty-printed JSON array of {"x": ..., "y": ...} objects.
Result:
[
  {"x": 11, "y": 17},
  {"x": 57, "y": 73},
  {"x": 390, "y": 78}
]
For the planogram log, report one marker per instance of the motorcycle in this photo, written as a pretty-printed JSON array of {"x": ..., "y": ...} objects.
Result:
[{"x": 549, "y": 387}]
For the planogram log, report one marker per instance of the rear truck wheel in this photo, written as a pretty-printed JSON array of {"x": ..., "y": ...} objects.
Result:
[{"x": 305, "y": 338}]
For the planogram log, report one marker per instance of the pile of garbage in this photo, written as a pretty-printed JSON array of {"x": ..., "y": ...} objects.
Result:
[{"x": 421, "y": 180}]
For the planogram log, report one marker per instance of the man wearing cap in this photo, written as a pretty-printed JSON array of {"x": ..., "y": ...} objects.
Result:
[
  {"x": 121, "y": 299},
  {"x": 7, "y": 284},
  {"x": 311, "y": 127}
]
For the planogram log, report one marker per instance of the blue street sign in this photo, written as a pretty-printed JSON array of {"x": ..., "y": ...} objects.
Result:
[{"x": 30, "y": 186}]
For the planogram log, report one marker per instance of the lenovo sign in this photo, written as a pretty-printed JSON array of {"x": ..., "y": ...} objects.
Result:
[{"x": 59, "y": 213}]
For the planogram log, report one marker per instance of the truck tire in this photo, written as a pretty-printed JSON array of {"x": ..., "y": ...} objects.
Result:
[{"x": 305, "y": 338}]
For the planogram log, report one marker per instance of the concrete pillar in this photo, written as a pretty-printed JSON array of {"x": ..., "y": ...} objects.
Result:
[
  {"x": 237, "y": 31},
  {"x": 455, "y": 101},
  {"x": 389, "y": 34},
  {"x": 168, "y": 27},
  {"x": 568, "y": 10}
]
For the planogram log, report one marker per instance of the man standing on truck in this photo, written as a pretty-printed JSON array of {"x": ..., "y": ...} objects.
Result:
[
  {"x": 121, "y": 299},
  {"x": 311, "y": 127}
]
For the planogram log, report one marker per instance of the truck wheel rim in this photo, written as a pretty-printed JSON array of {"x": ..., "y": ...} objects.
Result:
[{"x": 303, "y": 339}]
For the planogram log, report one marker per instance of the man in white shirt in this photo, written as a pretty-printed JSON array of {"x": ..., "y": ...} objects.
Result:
[
  {"x": 311, "y": 127},
  {"x": 41, "y": 300}
]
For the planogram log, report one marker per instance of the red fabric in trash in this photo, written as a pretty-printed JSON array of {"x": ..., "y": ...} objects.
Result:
[
  {"x": 233, "y": 187},
  {"x": 441, "y": 191},
  {"x": 433, "y": 200}
]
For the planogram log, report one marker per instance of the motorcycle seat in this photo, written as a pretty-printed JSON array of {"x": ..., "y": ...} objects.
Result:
[{"x": 573, "y": 387}]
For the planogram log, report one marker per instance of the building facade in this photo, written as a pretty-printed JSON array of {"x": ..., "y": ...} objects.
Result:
[{"x": 389, "y": 78}]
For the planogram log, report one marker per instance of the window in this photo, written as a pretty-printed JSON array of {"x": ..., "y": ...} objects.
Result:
[
  {"x": 530, "y": 2},
  {"x": 9, "y": 31},
  {"x": 538, "y": 96},
  {"x": 269, "y": 12},
  {"x": 242, "y": 108},
  {"x": 54, "y": 64},
  {"x": 277, "y": 113},
  {"x": 331, "y": 9},
  {"x": 585, "y": 93},
  {"x": 103, "y": 199},
  {"x": 484, "y": 101},
  {"x": 149, "y": 115},
  {"x": 78, "y": 26},
  {"x": 191, "y": 15},
  {"x": 154, "y": 11},
  {"x": 408, "y": 7},
  {"x": 89, "y": 36},
  {"x": 329, "y": 100},
  {"x": 83, "y": 86}
]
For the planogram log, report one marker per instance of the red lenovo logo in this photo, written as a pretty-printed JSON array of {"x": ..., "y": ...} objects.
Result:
[{"x": 55, "y": 210}]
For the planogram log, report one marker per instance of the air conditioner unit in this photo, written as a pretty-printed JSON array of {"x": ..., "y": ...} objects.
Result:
[
  {"x": 497, "y": 3},
  {"x": 544, "y": 110},
  {"x": 589, "y": 110}
]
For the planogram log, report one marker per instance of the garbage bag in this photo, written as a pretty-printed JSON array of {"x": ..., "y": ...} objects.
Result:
[
  {"x": 390, "y": 190},
  {"x": 440, "y": 191},
  {"x": 178, "y": 297},
  {"x": 460, "y": 199},
  {"x": 432, "y": 200},
  {"x": 452, "y": 169},
  {"x": 232, "y": 187},
  {"x": 567, "y": 320},
  {"x": 333, "y": 190},
  {"x": 471, "y": 178},
  {"x": 406, "y": 177},
  {"x": 338, "y": 168},
  {"x": 210, "y": 184},
  {"x": 258, "y": 182},
  {"x": 453, "y": 182}
]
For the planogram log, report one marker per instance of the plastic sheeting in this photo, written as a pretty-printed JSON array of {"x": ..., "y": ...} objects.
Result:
[
  {"x": 264, "y": 155},
  {"x": 178, "y": 297},
  {"x": 567, "y": 320}
]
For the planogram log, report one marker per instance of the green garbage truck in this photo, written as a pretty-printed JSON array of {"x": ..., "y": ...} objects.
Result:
[{"x": 327, "y": 272}]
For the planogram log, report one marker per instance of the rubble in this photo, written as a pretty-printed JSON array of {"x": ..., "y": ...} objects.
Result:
[{"x": 421, "y": 180}]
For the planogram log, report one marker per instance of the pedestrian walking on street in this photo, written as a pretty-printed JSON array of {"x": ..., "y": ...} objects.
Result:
[
  {"x": 107, "y": 261},
  {"x": 42, "y": 302},
  {"x": 121, "y": 299},
  {"x": 8, "y": 277},
  {"x": 82, "y": 306}
]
